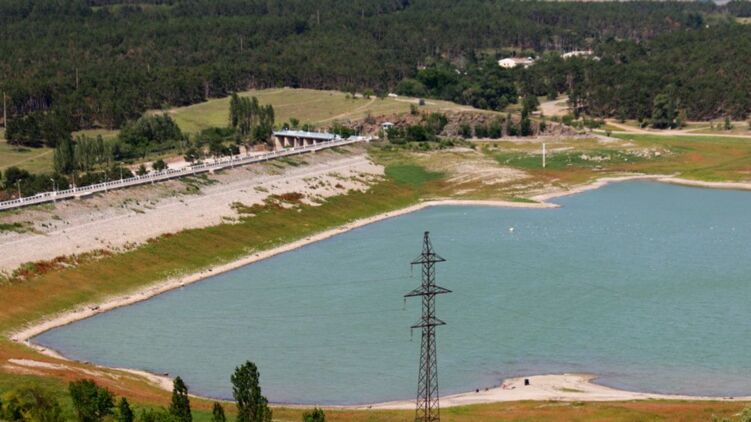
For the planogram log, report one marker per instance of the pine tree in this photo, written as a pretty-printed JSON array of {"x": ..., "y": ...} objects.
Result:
[
  {"x": 217, "y": 413},
  {"x": 180, "y": 406},
  {"x": 252, "y": 406},
  {"x": 728, "y": 124},
  {"x": 125, "y": 413},
  {"x": 64, "y": 157},
  {"x": 234, "y": 111}
]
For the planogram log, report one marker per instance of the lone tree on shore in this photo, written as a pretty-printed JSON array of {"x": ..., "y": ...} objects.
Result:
[
  {"x": 180, "y": 406},
  {"x": 252, "y": 406},
  {"x": 217, "y": 413}
]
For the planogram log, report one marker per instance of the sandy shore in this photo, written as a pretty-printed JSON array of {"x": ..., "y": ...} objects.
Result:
[
  {"x": 543, "y": 387},
  {"x": 663, "y": 178},
  {"x": 597, "y": 184},
  {"x": 563, "y": 387},
  {"x": 701, "y": 184}
]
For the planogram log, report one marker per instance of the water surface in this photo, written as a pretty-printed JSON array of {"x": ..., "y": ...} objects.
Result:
[{"x": 646, "y": 285}]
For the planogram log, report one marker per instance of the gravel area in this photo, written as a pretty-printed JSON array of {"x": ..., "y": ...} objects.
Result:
[{"x": 124, "y": 218}]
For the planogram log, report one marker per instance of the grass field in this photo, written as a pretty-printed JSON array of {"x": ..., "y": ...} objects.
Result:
[
  {"x": 93, "y": 133},
  {"x": 691, "y": 157},
  {"x": 739, "y": 128},
  {"x": 32, "y": 159},
  {"x": 38, "y": 160},
  {"x": 307, "y": 105}
]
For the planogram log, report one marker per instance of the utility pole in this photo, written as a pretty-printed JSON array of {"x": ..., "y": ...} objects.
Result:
[
  {"x": 544, "y": 152},
  {"x": 428, "y": 408},
  {"x": 5, "y": 110},
  {"x": 54, "y": 190}
]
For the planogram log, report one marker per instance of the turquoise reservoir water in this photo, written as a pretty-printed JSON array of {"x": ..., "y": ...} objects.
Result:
[{"x": 646, "y": 285}]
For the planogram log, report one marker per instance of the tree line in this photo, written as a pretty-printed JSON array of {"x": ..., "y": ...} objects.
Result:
[
  {"x": 101, "y": 63},
  {"x": 88, "y": 160},
  {"x": 700, "y": 72},
  {"x": 93, "y": 403},
  {"x": 697, "y": 73}
]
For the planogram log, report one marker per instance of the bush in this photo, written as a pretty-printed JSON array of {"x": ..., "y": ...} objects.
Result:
[
  {"x": 13, "y": 175},
  {"x": 525, "y": 127},
  {"x": 32, "y": 184},
  {"x": 417, "y": 133},
  {"x": 411, "y": 88},
  {"x": 465, "y": 131},
  {"x": 315, "y": 415},
  {"x": 157, "y": 416},
  {"x": 481, "y": 131},
  {"x": 192, "y": 155},
  {"x": 511, "y": 128},
  {"x": 149, "y": 130},
  {"x": 159, "y": 165},
  {"x": 728, "y": 124},
  {"x": 342, "y": 131},
  {"x": 495, "y": 129},
  {"x": 435, "y": 122},
  {"x": 215, "y": 133}
]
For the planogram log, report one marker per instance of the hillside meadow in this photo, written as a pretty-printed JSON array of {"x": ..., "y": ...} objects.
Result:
[{"x": 310, "y": 106}]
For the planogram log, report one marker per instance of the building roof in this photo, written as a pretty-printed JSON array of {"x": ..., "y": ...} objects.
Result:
[
  {"x": 510, "y": 62},
  {"x": 323, "y": 136},
  {"x": 577, "y": 53}
]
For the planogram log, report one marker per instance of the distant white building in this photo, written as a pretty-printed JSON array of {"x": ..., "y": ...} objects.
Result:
[
  {"x": 577, "y": 53},
  {"x": 512, "y": 62}
]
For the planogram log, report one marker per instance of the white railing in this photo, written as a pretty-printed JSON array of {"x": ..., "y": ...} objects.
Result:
[{"x": 217, "y": 164}]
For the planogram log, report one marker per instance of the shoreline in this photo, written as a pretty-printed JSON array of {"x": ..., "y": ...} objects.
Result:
[
  {"x": 25, "y": 334},
  {"x": 553, "y": 387}
]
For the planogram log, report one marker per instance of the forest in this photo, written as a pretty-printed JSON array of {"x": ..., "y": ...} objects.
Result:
[{"x": 101, "y": 63}]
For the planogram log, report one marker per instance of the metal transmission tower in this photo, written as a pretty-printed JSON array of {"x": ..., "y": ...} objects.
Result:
[{"x": 428, "y": 409}]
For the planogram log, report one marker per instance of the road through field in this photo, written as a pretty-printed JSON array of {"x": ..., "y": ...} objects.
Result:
[{"x": 625, "y": 130}]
